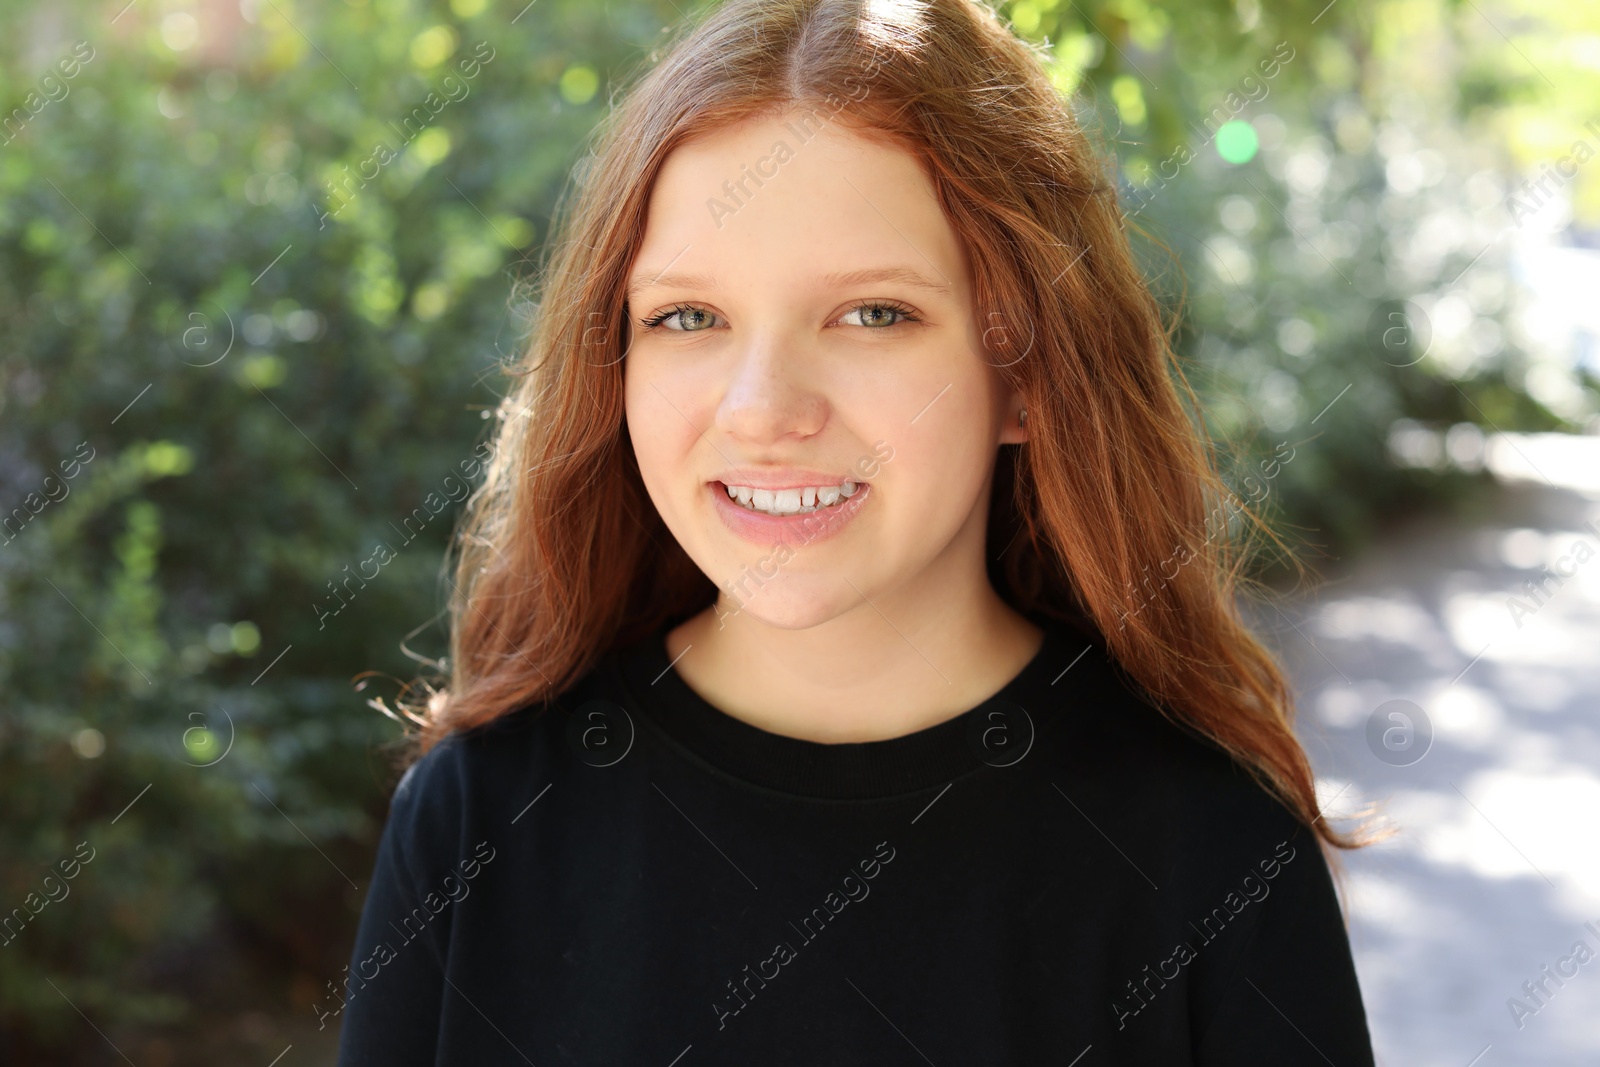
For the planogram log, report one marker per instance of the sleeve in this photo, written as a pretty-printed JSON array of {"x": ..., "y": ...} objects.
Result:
[
  {"x": 394, "y": 985},
  {"x": 1290, "y": 994}
]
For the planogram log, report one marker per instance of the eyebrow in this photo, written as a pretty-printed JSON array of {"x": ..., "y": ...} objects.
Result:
[{"x": 835, "y": 280}]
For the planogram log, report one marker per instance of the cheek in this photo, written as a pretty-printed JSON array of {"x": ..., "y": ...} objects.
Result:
[
  {"x": 662, "y": 412},
  {"x": 943, "y": 450},
  {"x": 950, "y": 458}
]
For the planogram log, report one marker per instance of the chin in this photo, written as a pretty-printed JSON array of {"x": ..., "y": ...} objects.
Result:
[{"x": 791, "y": 608}]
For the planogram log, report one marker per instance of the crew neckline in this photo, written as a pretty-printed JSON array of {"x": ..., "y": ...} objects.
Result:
[{"x": 852, "y": 770}]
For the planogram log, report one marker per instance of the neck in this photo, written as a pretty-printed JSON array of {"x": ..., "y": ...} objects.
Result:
[{"x": 888, "y": 666}]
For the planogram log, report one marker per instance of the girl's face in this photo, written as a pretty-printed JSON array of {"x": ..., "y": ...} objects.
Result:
[{"x": 812, "y": 343}]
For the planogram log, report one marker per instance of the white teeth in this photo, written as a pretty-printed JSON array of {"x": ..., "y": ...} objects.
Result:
[{"x": 793, "y": 501}]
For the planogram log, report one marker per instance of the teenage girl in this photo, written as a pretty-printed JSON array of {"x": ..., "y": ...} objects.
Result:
[{"x": 845, "y": 665}]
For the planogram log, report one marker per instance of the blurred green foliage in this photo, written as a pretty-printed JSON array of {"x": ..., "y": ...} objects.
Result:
[{"x": 270, "y": 386}]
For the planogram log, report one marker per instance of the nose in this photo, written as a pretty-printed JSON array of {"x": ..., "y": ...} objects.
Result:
[{"x": 769, "y": 393}]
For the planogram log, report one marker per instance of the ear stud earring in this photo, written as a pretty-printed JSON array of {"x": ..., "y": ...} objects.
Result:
[{"x": 1022, "y": 417}]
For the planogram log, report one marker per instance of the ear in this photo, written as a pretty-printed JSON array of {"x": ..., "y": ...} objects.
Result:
[{"x": 1011, "y": 431}]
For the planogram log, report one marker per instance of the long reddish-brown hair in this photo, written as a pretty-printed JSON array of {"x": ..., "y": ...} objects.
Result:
[{"x": 561, "y": 555}]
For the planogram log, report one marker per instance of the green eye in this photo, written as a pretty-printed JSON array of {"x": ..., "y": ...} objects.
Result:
[
  {"x": 682, "y": 314},
  {"x": 879, "y": 316}
]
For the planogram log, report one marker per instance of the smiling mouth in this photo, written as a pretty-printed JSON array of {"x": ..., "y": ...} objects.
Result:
[{"x": 796, "y": 501}]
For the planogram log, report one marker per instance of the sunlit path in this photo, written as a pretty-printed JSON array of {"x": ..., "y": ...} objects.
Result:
[{"x": 1496, "y": 869}]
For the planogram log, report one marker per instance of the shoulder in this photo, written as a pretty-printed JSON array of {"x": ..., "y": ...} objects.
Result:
[
  {"x": 474, "y": 773},
  {"x": 1179, "y": 799}
]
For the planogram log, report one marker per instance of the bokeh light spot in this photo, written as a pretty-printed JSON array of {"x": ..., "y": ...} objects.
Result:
[
  {"x": 431, "y": 145},
  {"x": 579, "y": 84},
  {"x": 179, "y": 31},
  {"x": 88, "y": 743},
  {"x": 433, "y": 46},
  {"x": 200, "y": 743},
  {"x": 429, "y": 301},
  {"x": 163, "y": 459},
  {"x": 1237, "y": 142},
  {"x": 262, "y": 371},
  {"x": 246, "y": 638}
]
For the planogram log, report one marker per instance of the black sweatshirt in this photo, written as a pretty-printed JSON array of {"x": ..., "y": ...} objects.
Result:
[{"x": 1060, "y": 875}]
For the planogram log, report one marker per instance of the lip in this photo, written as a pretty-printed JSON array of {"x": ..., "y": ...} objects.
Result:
[{"x": 803, "y": 528}]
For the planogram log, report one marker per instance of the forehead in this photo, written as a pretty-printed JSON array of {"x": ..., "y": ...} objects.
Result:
[{"x": 776, "y": 197}]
